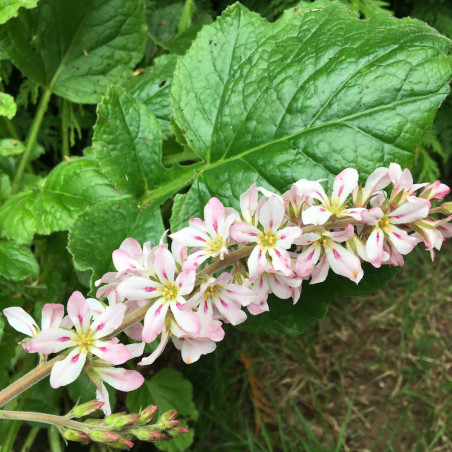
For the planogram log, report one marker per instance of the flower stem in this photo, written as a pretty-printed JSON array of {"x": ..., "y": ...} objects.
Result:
[
  {"x": 185, "y": 156},
  {"x": 65, "y": 129},
  {"x": 54, "y": 439},
  {"x": 31, "y": 139},
  {"x": 185, "y": 20},
  {"x": 30, "y": 439}
]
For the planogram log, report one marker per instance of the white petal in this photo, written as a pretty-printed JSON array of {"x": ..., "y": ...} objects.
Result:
[
  {"x": 21, "y": 321},
  {"x": 271, "y": 214},
  {"x": 67, "y": 371},
  {"x": 315, "y": 215}
]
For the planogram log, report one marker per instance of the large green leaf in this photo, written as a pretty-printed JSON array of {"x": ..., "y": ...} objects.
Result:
[
  {"x": 127, "y": 145},
  {"x": 68, "y": 190},
  {"x": 303, "y": 97},
  {"x": 16, "y": 262},
  {"x": 10, "y": 8},
  {"x": 77, "y": 48}
]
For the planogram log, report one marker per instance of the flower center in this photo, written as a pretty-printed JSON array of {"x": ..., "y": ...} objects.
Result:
[
  {"x": 170, "y": 292},
  {"x": 212, "y": 291},
  {"x": 384, "y": 224},
  {"x": 84, "y": 341},
  {"x": 214, "y": 246},
  {"x": 267, "y": 240}
]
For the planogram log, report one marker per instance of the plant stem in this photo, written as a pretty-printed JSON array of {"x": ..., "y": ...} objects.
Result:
[
  {"x": 30, "y": 439},
  {"x": 10, "y": 437},
  {"x": 11, "y": 128},
  {"x": 31, "y": 139},
  {"x": 65, "y": 129},
  {"x": 29, "y": 379},
  {"x": 185, "y": 156},
  {"x": 54, "y": 438},
  {"x": 185, "y": 20}
]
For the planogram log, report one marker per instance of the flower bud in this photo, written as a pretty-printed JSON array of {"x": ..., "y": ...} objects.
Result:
[
  {"x": 447, "y": 207},
  {"x": 85, "y": 409},
  {"x": 165, "y": 425},
  {"x": 178, "y": 431},
  {"x": 168, "y": 415},
  {"x": 147, "y": 434},
  {"x": 104, "y": 436},
  {"x": 75, "y": 435},
  {"x": 147, "y": 414},
  {"x": 94, "y": 421},
  {"x": 119, "y": 420},
  {"x": 122, "y": 443}
]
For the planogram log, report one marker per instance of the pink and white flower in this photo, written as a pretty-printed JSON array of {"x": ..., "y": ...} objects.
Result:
[
  {"x": 85, "y": 340},
  {"x": 435, "y": 192},
  {"x": 271, "y": 236},
  {"x": 323, "y": 251},
  {"x": 168, "y": 291},
  {"x": 344, "y": 183},
  {"x": 209, "y": 238},
  {"x": 378, "y": 180},
  {"x": 52, "y": 316}
]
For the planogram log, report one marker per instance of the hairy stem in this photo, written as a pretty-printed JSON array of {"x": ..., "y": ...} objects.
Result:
[{"x": 31, "y": 139}]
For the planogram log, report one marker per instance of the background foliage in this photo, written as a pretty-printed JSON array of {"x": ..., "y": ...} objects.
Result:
[{"x": 123, "y": 118}]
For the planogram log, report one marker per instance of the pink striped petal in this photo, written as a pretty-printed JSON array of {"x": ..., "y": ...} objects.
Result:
[
  {"x": 372, "y": 216},
  {"x": 53, "y": 340},
  {"x": 21, "y": 321},
  {"x": 108, "y": 321},
  {"x": 271, "y": 214},
  {"x": 281, "y": 261},
  {"x": 186, "y": 280},
  {"x": 190, "y": 236},
  {"x": 123, "y": 261},
  {"x": 287, "y": 236},
  {"x": 154, "y": 321},
  {"x": 110, "y": 352},
  {"x": 52, "y": 315},
  {"x": 187, "y": 319},
  {"x": 132, "y": 247},
  {"x": 248, "y": 202},
  {"x": 164, "y": 264},
  {"x": 244, "y": 232},
  {"x": 344, "y": 263},
  {"x": 320, "y": 271},
  {"x": 378, "y": 180},
  {"x": 79, "y": 311},
  {"x": 402, "y": 242},
  {"x": 308, "y": 238},
  {"x": 410, "y": 211},
  {"x": 121, "y": 379},
  {"x": 214, "y": 214},
  {"x": 281, "y": 290},
  {"x": 231, "y": 311},
  {"x": 374, "y": 247},
  {"x": 158, "y": 351},
  {"x": 343, "y": 235},
  {"x": 257, "y": 262},
  {"x": 67, "y": 371},
  {"x": 138, "y": 288},
  {"x": 344, "y": 183},
  {"x": 315, "y": 215},
  {"x": 307, "y": 260},
  {"x": 192, "y": 349}
]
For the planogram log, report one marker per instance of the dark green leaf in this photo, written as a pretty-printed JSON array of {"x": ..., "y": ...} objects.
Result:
[
  {"x": 17, "y": 262},
  {"x": 304, "y": 97},
  {"x": 284, "y": 318},
  {"x": 77, "y": 48}
]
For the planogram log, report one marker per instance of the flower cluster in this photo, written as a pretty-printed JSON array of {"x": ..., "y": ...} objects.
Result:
[{"x": 219, "y": 267}]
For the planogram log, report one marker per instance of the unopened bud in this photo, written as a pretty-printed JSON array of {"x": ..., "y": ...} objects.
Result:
[
  {"x": 165, "y": 425},
  {"x": 178, "y": 431},
  {"x": 75, "y": 435},
  {"x": 147, "y": 414},
  {"x": 104, "y": 436},
  {"x": 146, "y": 434},
  {"x": 168, "y": 415},
  {"x": 94, "y": 421},
  {"x": 447, "y": 207},
  {"x": 119, "y": 420},
  {"x": 122, "y": 443},
  {"x": 85, "y": 409}
]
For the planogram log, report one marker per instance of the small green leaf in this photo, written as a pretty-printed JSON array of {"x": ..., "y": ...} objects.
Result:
[
  {"x": 10, "y": 8},
  {"x": 17, "y": 262},
  {"x": 89, "y": 44},
  {"x": 9, "y": 146},
  {"x": 7, "y": 105}
]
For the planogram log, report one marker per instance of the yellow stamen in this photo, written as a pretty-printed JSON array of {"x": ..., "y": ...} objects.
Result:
[
  {"x": 215, "y": 245},
  {"x": 267, "y": 240}
]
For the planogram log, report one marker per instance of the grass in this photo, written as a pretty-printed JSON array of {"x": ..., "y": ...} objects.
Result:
[{"x": 374, "y": 375}]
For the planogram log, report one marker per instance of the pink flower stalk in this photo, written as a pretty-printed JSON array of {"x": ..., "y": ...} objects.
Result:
[
  {"x": 271, "y": 236},
  {"x": 209, "y": 238},
  {"x": 324, "y": 252},
  {"x": 167, "y": 290},
  {"x": 100, "y": 372},
  {"x": 344, "y": 183},
  {"x": 84, "y": 341},
  {"x": 52, "y": 316},
  {"x": 385, "y": 228}
]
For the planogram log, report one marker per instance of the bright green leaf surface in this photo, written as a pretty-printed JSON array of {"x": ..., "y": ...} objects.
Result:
[
  {"x": 7, "y": 105},
  {"x": 16, "y": 262},
  {"x": 304, "y": 97},
  {"x": 89, "y": 44},
  {"x": 9, "y": 8},
  {"x": 8, "y": 146},
  {"x": 68, "y": 190},
  {"x": 151, "y": 88}
]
